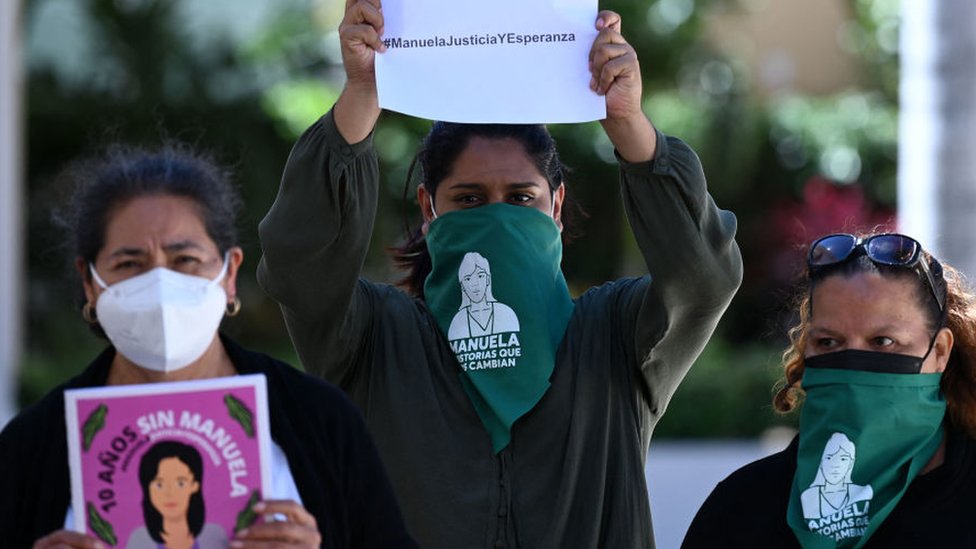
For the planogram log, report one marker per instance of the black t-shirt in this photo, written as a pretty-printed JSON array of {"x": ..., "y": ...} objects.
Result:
[{"x": 748, "y": 509}]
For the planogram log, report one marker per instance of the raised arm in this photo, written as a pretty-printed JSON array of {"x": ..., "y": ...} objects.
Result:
[
  {"x": 616, "y": 75},
  {"x": 360, "y": 32},
  {"x": 316, "y": 234},
  {"x": 687, "y": 241},
  {"x": 694, "y": 263}
]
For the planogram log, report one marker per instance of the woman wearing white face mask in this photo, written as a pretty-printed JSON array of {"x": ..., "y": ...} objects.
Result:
[{"x": 155, "y": 244}]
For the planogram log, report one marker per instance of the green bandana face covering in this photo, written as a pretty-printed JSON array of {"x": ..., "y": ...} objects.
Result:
[
  {"x": 498, "y": 294},
  {"x": 864, "y": 436}
]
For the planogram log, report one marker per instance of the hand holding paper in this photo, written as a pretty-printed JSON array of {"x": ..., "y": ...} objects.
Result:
[
  {"x": 438, "y": 78},
  {"x": 297, "y": 529},
  {"x": 359, "y": 34},
  {"x": 64, "y": 538},
  {"x": 614, "y": 68},
  {"x": 616, "y": 75},
  {"x": 360, "y": 38}
]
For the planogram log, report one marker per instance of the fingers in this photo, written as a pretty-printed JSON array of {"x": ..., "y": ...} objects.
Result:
[
  {"x": 376, "y": 3},
  {"x": 277, "y": 534},
  {"x": 610, "y": 56},
  {"x": 608, "y": 19},
  {"x": 606, "y": 37},
  {"x": 362, "y": 24},
  {"x": 290, "y": 509},
  {"x": 63, "y": 539},
  {"x": 298, "y": 530},
  {"x": 615, "y": 69}
]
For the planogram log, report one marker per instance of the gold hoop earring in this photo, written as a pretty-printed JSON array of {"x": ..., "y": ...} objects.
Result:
[
  {"x": 88, "y": 313},
  {"x": 233, "y": 307}
]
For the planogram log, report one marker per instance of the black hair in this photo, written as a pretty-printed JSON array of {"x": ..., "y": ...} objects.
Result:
[
  {"x": 105, "y": 182},
  {"x": 441, "y": 148},
  {"x": 447, "y": 140},
  {"x": 149, "y": 468}
]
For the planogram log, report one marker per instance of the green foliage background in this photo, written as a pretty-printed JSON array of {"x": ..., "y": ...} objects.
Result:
[{"x": 153, "y": 76}]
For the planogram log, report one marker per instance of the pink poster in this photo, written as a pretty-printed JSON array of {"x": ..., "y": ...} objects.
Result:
[{"x": 168, "y": 464}]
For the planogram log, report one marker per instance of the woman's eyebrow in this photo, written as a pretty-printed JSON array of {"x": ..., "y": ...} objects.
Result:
[
  {"x": 885, "y": 328},
  {"x": 466, "y": 186},
  {"x": 477, "y": 186},
  {"x": 822, "y": 330},
  {"x": 172, "y": 247},
  {"x": 125, "y": 251}
]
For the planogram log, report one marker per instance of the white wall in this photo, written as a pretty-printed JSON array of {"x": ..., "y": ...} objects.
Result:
[
  {"x": 937, "y": 129},
  {"x": 12, "y": 263}
]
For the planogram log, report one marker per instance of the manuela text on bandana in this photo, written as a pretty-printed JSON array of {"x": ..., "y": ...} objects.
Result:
[
  {"x": 849, "y": 523},
  {"x": 487, "y": 352}
]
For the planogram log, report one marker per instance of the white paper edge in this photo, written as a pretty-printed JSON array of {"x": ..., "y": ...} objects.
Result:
[
  {"x": 264, "y": 432},
  {"x": 419, "y": 113},
  {"x": 74, "y": 458}
]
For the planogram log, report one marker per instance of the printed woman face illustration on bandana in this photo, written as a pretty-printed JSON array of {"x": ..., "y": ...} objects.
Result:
[
  {"x": 480, "y": 313},
  {"x": 476, "y": 283},
  {"x": 837, "y": 467},
  {"x": 833, "y": 490}
]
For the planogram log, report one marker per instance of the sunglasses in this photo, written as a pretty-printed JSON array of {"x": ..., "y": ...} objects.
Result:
[{"x": 890, "y": 249}]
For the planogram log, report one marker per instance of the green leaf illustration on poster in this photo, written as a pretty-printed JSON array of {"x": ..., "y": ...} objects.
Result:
[
  {"x": 240, "y": 412},
  {"x": 94, "y": 424},
  {"x": 247, "y": 516},
  {"x": 101, "y": 527}
]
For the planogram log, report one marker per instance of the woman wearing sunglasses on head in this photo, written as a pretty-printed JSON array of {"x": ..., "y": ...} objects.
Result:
[{"x": 884, "y": 360}]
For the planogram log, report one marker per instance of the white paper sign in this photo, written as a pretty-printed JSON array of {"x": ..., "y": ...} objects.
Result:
[{"x": 502, "y": 61}]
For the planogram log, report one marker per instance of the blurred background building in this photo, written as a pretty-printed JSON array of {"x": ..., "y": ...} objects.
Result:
[{"x": 794, "y": 107}]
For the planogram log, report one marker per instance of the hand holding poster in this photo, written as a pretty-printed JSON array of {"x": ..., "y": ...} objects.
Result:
[
  {"x": 168, "y": 462},
  {"x": 504, "y": 61}
]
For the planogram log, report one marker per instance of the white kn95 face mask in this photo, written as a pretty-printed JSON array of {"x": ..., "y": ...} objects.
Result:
[{"x": 161, "y": 320}]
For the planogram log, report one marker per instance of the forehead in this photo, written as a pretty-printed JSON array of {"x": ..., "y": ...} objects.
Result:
[
  {"x": 155, "y": 219},
  {"x": 173, "y": 465},
  {"x": 865, "y": 300},
  {"x": 486, "y": 160}
]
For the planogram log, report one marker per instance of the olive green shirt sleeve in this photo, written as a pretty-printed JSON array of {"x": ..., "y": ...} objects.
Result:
[
  {"x": 314, "y": 240},
  {"x": 693, "y": 260}
]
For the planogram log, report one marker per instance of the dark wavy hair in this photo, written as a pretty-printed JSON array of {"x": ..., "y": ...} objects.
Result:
[
  {"x": 959, "y": 378},
  {"x": 441, "y": 148},
  {"x": 149, "y": 468},
  {"x": 105, "y": 182}
]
